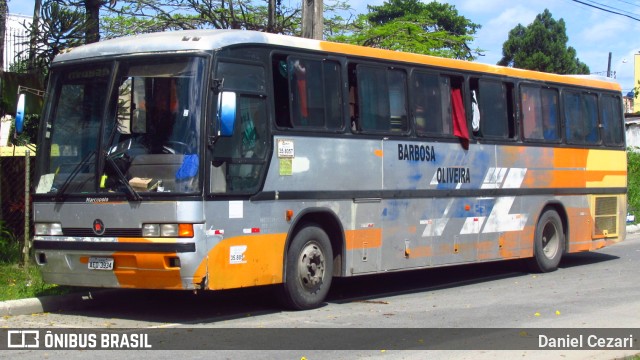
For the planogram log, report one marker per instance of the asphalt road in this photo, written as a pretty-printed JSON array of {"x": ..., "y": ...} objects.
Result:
[{"x": 590, "y": 290}]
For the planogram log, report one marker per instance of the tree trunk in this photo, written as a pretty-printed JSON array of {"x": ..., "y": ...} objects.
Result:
[
  {"x": 271, "y": 18},
  {"x": 92, "y": 10},
  {"x": 31, "y": 68},
  {"x": 312, "y": 19}
]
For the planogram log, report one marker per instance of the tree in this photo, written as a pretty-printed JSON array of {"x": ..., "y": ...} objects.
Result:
[
  {"x": 412, "y": 26},
  {"x": 60, "y": 28},
  {"x": 274, "y": 16},
  {"x": 92, "y": 15},
  {"x": 542, "y": 46}
]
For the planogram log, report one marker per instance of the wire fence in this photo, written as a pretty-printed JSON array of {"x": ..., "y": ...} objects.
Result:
[{"x": 15, "y": 220}]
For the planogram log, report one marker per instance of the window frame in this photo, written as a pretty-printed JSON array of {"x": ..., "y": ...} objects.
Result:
[
  {"x": 363, "y": 66},
  {"x": 322, "y": 60}
]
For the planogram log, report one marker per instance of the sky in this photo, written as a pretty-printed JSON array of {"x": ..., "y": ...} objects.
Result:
[{"x": 592, "y": 32}]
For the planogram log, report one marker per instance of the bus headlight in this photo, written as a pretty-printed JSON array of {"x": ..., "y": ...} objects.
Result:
[
  {"x": 150, "y": 230},
  {"x": 47, "y": 229},
  {"x": 167, "y": 230}
]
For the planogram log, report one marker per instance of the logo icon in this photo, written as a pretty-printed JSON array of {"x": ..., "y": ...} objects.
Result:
[
  {"x": 98, "y": 227},
  {"x": 23, "y": 339}
]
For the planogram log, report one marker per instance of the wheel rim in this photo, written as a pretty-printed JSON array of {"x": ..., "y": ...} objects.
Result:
[
  {"x": 550, "y": 240},
  {"x": 311, "y": 266}
]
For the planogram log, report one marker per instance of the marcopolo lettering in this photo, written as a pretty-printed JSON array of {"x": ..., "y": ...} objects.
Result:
[{"x": 416, "y": 152}]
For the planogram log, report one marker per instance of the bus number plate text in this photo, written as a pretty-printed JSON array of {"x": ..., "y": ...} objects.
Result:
[{"x": 100, "y": 263}]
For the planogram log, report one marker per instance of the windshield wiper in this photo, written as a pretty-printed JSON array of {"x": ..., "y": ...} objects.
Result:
[
  {"x": 131, "y": 193},
  {"x": 73, "y": 174}
]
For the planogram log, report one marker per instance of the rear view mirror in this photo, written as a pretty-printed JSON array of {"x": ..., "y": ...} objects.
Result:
[
  {"x": 20, "y": 114},
  {"x": 226, "y": 113}
]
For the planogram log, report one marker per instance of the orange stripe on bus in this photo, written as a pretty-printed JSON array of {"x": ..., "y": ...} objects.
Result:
[
  {"x": 463, "y": 65},
  {"x": 363, "y": 238},
  {"x": 261, "y": 262},
  {"x": 146, "y": 271}
]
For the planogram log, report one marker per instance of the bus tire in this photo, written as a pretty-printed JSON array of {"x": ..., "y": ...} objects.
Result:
[
  {"x": 309, "y": 269},
  {"x": 548, "y": 243}
]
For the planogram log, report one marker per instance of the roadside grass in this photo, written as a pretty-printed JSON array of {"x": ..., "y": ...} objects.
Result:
[
  {"x": 19, "y": 281},
  {"x": 633, "y": 183}
]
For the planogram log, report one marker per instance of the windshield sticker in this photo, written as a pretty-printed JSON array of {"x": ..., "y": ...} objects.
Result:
[
  {"x": 45, "y": 184},
  {"x": 285, "y": 148},
  {"x": 286, "y": 167}
]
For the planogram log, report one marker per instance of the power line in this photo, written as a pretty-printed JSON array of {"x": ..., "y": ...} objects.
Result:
[
  {"x": 614, "y": 8},
  {"x": 607, "y": 10},
  {"x": 629, "y": 3}
]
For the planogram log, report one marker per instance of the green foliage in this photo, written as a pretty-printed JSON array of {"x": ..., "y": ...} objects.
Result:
[
  {"x": 19, "y": 66},
  {"x": 29, "y": 131},
  {"x": 412, "y": 26},
  {"x": 20, "y": 282},
  {"x": 10, "y": 249},
  {"x": 542, "y": 46},
  {"x": 60, "y": 28},
  {"x": 633, "y": 181}
]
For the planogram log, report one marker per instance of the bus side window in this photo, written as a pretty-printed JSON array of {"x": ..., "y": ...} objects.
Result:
[
  {"x": 610, "y": 115},
  {"x": 427, "y": 110},
  {"x": 456, "y": 109},
  {"x": 374, "y": 98},
  {"x": 281, "y": 91},
  {"x": 590, "y": 110},
  {"x": 307, "y": 92},
  {"x": 383, "y": 99},
  {"x": 316, "y": 93},
  {"x": 550, "y": 111},
  {"x": 354, "y": 115},
  {"x": 581, "y": 117},
  {"x": 531, "y": 114},
  {"x": 495, "y": 102},
  {"x": 397, "y": 80},
  {"x": 539, "y": 113}
]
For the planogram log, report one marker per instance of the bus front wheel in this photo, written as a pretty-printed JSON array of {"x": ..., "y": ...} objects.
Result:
[
  {"x": 548, "y": 243},
  {"x": 309, "y": 269}
]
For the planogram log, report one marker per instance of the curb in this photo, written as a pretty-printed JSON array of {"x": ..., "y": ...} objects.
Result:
[
  {"x": 81, "y": 300},
  {"x": 51, "y": 303},
  {"x": 633, "y": 229}
]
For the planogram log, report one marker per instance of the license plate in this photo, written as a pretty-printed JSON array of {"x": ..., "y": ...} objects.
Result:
[{"x": 100, "y": 263}]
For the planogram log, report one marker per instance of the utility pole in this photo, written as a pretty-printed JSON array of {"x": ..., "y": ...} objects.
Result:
[
  {"x": 4, "y": 11},
  {"x": 609, "y": 66},
  {"x": 271, "y": 18},
  {"x": 312, "y": 19},
  {"x": 35, "y": 28}
]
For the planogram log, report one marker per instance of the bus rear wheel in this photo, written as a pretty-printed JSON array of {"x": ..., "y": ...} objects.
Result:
[
  {"x": 548, "y": 243},
  {"x": 309, "y": 269}
]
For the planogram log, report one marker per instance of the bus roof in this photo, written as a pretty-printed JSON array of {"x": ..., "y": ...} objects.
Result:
[{"x": 206, "y": 40}]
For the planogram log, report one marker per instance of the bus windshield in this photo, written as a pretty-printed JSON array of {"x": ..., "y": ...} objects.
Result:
[{"x": 140, "y": 137}]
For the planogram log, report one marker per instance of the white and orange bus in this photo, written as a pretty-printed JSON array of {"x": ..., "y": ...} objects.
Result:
[{"x": 224, "y": 159}]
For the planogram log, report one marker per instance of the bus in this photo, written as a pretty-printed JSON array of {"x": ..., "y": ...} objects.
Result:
[{"x": 221, "y": 159}]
